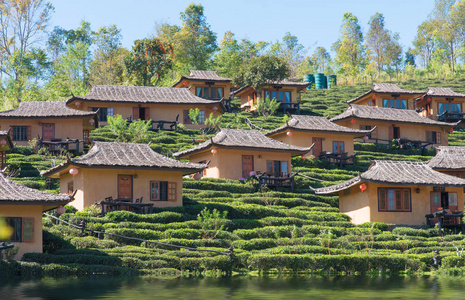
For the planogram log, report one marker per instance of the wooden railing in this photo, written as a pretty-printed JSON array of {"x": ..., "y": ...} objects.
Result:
[
  {"x": 290, "y": 107},
  {"x": 274, "y": 181},
  {"x": 450, "y": 116},
  {"x": 56, "y": 145},
  {"x": 160, "y": 124},
  {"x": 445, "y": 219},
  {"x": 340, "y": 158}
]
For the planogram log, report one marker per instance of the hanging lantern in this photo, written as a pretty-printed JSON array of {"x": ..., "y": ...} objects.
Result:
[
  {"x": 451, "y": 130},
  {"x": 214, "y": 151},
  {"x": 185, "y": 83},
  {"x": 421, "y": 98},
  {"x": 3, "y": 142},
  {"x": 61, "y": 210},
  {"x": 289, "y": 133},
  {"x": 78, "y": 103},
  {"x": 352, "y": 121},
  {"x": 304, "y": 90},
  {"x": 197, "y": 176},
  {"x": 428, "y": 100},
  {"x": 92, "y": 121},
  {"x": 363, "y": 187},
  {"x": 73, "y": 171},
  {"x": 365, "y": 138},
  {"x": 373, "y": 97},
  {"x": 215, "y": 108},
  {"x": 303, "y": 157}
]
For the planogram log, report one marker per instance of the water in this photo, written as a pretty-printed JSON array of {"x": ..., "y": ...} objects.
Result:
[{"x": 242, "y": 288}]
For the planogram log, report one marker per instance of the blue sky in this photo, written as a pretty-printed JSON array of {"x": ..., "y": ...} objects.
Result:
[{"x": 315, "y": 23}]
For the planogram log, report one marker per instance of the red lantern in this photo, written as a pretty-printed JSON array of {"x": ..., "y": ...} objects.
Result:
[
  {"x": 303, "y": 157},
  {"x": 215, "y": 108},
  {"x": 428, "y": 100},
  {"x": 352, "y": 121},
  {"x": 451, "y": 130},
  {"x": 73, "y": 171},
  {"x": 185, "y": 83},
  {"x": 197, "y": 176},
  {"x": 421, "y": 98},
  {"x": 91, "y": 121},
  {"x": 78, "y": 103},
  {"x": 304, "y": 90},
  {"x": 363, "y": 187},
  {"x": 289, "y": 133},
  {"x": 3, "y": 142},
  {"x": 214, "y": 151},
  {"x": 365, "y": 138},
  {"x": 373, "y": 97},
  {"x": 61, "y": 210}
]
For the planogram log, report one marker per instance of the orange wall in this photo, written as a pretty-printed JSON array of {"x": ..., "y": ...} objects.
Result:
[
  {"x": 166, "y": 112},
  {"x": 364, "y": 207},
  {"x": 94, "y": 185},
  {"x": 227, "y": 163},
  {"x": 409, "y": 131},
  {"x": 380, "y": 97},
  {"x": 434, "y": 111},
  {"x": 304, "y": 139},
  {"x": 246, "y": 102},
  {"x": 64, "y": 128},
  {"x": 227, "y": 86},
  {"x": 26, "y": 211}
]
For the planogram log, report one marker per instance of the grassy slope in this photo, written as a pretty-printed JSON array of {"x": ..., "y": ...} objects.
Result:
[{"x": 268, "y": 229}]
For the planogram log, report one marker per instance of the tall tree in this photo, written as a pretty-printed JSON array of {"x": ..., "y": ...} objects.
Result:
[
  {"x": 378, "y": 40},
  {"x": 195, "y": 42},
  {"x": 425, "y": 42},
  {"x": 349, "y": 48},
  {"x": 228, "y": 60},
  {"x": 293, "y": 52},
  {"x": 320, "y": 59},
  {"x": 148, "y": 61},
  {"x": 410, "y": 58}
]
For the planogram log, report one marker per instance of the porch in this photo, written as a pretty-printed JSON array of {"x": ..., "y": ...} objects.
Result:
[
  {"x": 55, "y": 146},
  {"x": 110, "y": 204},
  {"x": 276, "y": 180},
  {"x": 341, "y": 159},
  {"x": 293, "y": 108},
  {"x": 446, "y": 219},
  {"x": 161, "y": 124}
]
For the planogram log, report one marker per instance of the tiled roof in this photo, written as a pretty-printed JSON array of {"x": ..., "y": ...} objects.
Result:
[
  {"x": 313, "y": 123},
  {"x": 142, "y": 94},
  {"x": 199, "y": 75},
  {"x": 449, "y": 158},
  {"x": 11, "y": 191},
  {"x": 244, "y": 139},
  {"x": 387, "y": 114},
  {"x": 406, "y": 173},
  {"x": 41, "y": 109},
  {"x": 126, "y": 155},
  {"x": 443, "y": 92},
  {"x": 271, "y": 83},
  {"x": 388, "y": 88}
]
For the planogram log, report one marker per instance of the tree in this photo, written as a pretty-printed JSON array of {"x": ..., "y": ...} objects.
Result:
[
  {"x": 320, "y": 59},
  {"x": 349, "y": 48},
  {"x": 148, "y": 61},
  {"x": 293, "y": 52},
  {"x": 195, "y": 42},
  {"x": 378, "y": 40},
  {"x": 260, "y": 70},
  {"x": 409, "y": 58},
  {"x": 424, "y": 42},
  {"x": 228, "y": 60}
]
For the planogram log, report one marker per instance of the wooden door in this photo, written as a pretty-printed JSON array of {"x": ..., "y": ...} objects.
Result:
[
  {"x": 247, "y": 165},
  {"x": 125, "y": 187},
  {"x": 318, "y": 148},
  {"x": 48, "y": 131},
  {"x": 391, "y": 133},
  {"x": 435, "y": 204}
]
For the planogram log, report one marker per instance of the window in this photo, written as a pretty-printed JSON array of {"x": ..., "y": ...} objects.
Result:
[
  {"x": 395, "y": 103},
  {"x": 209, "y": 92},
  {"x": 281, "y": 96},
  {"x": 277, "y": 168},
  {"x": 433, "y": 137},
  {"x": 392, "y": 199},
  {"x": 338, "y": 147},
  {"x": 449, "y": 107},
  {"x": 70, "y": 187},
  {"x": 103, "y": 113},
  {"x": 366, "y": 127},
  {"x": 23, "y": 229},
  {"x": 21, "y": 133},
  {"x": 186, "y": 118},
  {"x": 163, "y": 191},
  {"x": 201, "y": 117}
]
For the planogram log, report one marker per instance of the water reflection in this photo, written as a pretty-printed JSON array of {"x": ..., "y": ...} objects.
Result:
[{"x": 237, "y": 287}]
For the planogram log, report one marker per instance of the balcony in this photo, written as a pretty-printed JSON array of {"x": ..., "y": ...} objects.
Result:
[
  {"x": 293, "y": 108},
  {"x": 450, "y": 117}
]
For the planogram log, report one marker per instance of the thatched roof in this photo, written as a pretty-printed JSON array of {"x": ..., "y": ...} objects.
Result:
[
  {"x": 404, "y": 173},
  {"x": 283, "y": 83},
  {"x": 15, "y": 193},
  {"x": 443, "y": 92},
  {"x": 244, "y": 139},
  {"x": 45, "y": 109},
  {"x": 318, "y": 124},
  {"x": 199, "y": 75},
  {"x": 128, "y": 156},
  {"x": 385, "y": 88},
  {"x": 387, "y": 114},
  {"x": 449, "y": 158},
  {"x": 141, "y": 94}
]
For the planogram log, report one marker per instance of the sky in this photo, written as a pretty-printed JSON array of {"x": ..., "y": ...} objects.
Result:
[{"x": 315, "y": 23}]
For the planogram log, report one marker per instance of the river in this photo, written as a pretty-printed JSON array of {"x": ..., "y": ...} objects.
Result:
[{"x": 236, "y": 287}]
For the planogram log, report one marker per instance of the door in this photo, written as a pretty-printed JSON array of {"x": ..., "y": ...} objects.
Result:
[
  {"x": 247, "y": 165},
  {"x": 48, "y": 131},
  {"x": 435, "y": 204},
  {"x": 125, "y": 187},
  {"x": 318, "y": 148}
]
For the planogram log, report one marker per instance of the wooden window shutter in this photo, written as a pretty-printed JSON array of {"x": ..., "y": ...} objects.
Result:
[
  {"x": 154, "y": 190},
  {"x": 172, "y": 191},
  {"x": 28, "y": 229},
  {"x": 186, "y": 118},
  {"x": 28, "y": 133},
  {"x": 429, "y": 136},
  {"x": 11, "y": 133},
  {"x": 391, "y": 133},
  {"x": 438, "y": 137},
  {"x": 147, "y": 113},
  {"x": 135, "y": 113}
]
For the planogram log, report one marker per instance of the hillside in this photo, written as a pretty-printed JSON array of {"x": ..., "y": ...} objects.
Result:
[{"x": 278, "y": 230}]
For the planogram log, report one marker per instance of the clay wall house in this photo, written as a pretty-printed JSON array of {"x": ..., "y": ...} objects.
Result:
[
  {"x": 387, "y": 95},
  {"x": 286, "y": 92},
  {"x": 449, "y": 160},
  {"x": 6, "y": 144},
  {"x": 442, "y": 104},
  {"x": 22, "y": 208},
  {"x": 159, "y": 104},
  {"x": 123, "y": 171},
  {"x": 48, "y": 121},
  {"x": 397, "y": 192},
  {"x": 392, "y": 123},
  {"x": 235, "y": 153}
]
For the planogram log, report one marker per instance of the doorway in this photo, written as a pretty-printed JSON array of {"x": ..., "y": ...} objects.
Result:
[
  {"x": 48, "y": 131},
  {"x": 318, "y": 147},
  {"x": 247, "y": 165},
  {"x": 125, "y": 187}
]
